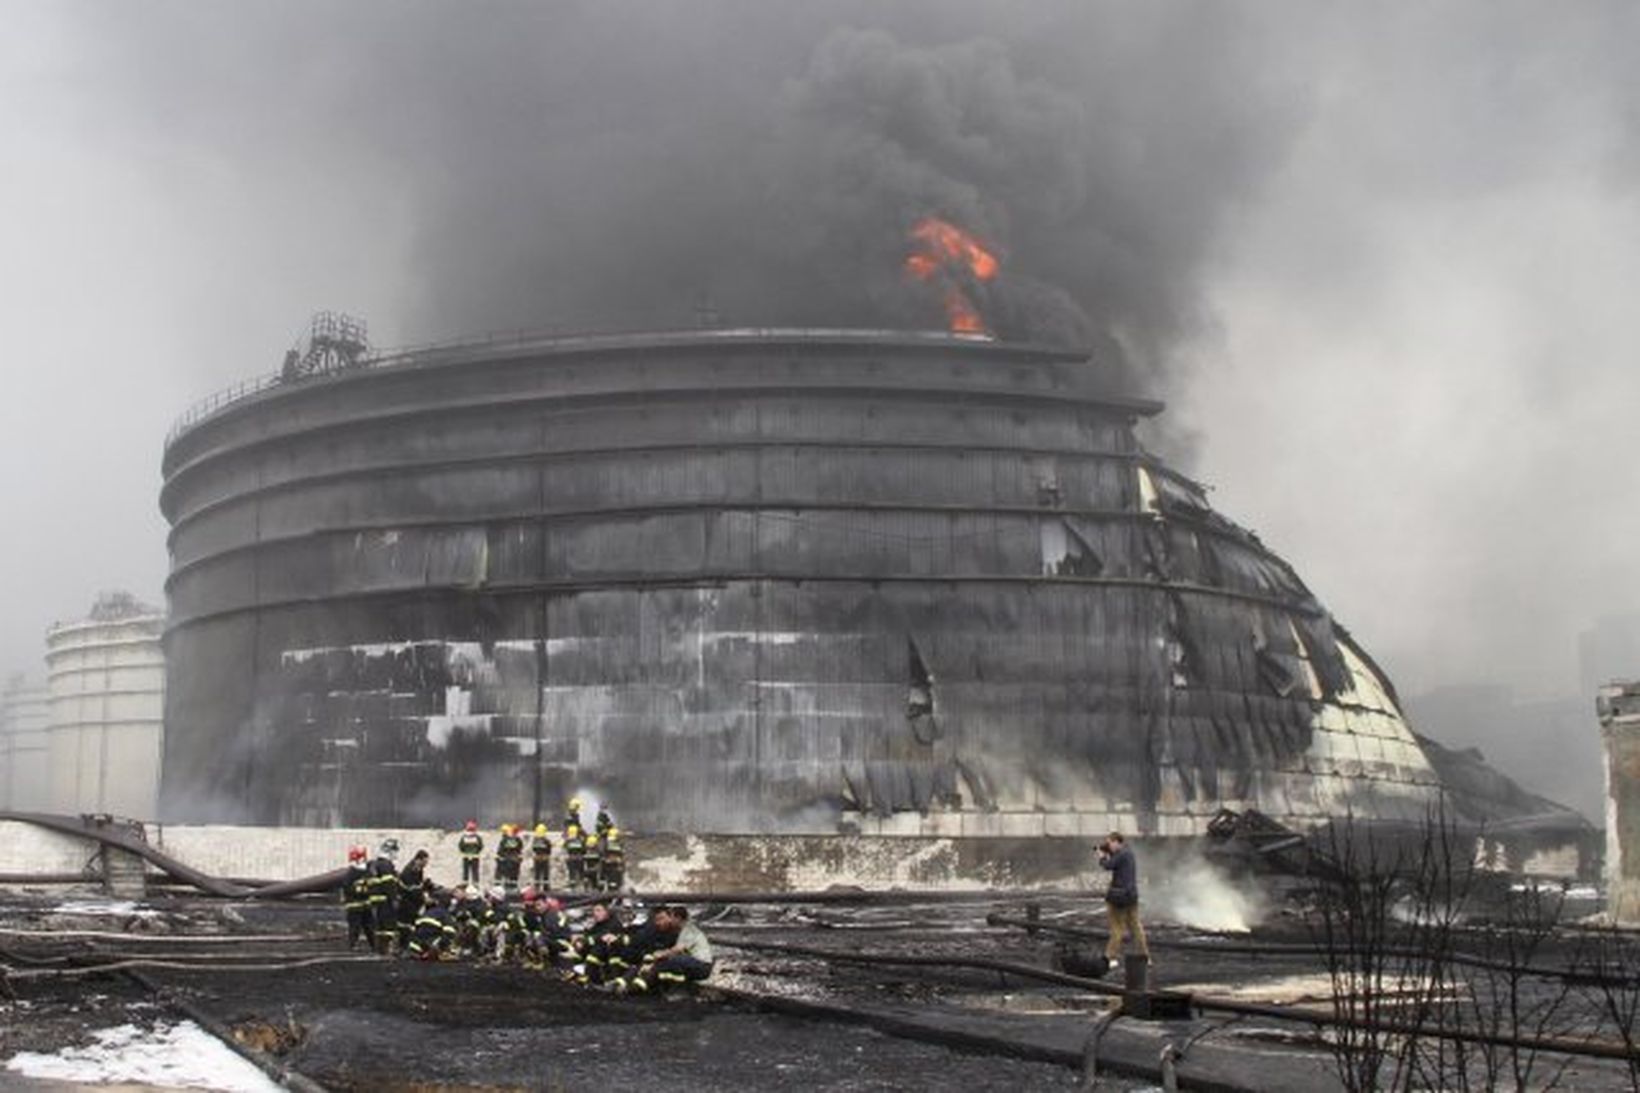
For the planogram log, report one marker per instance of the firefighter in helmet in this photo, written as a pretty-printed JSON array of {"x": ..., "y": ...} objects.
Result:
[
  {"x": 541, "y": 855},
  {"x": 575, "y": 849},
  {"x": 471, "y": 845},
  {"x": 614, "y": 859},
  {"x": 356, "y": 898},
  {"x": 592, "y": 862},
  {"x": 384, "y": 892},
  {"x": 509, "y": 857}
]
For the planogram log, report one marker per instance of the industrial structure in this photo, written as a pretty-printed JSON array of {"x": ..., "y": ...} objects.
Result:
[
  {"x": 25, "y": 757},
  {"x": 744, "y": 581},
  {"x": 1618, "y": 705},
  {"x": 106, "y": 680}
]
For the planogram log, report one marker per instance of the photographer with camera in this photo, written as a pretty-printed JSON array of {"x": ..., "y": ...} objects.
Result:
[{"x": 1122, "y": 896}]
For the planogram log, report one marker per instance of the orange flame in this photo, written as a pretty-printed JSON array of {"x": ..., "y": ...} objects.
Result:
[
  {"x": 941, "y": 243},
  {"x": 940, "y": 248}
]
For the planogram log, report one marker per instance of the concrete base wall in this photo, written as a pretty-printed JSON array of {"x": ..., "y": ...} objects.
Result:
[
  {"x": 683, "y": 863},
  {"x": 722, "y": 863}
]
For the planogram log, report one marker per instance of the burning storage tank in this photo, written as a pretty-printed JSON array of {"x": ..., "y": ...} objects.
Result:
[{"x": 741, "y": 581}]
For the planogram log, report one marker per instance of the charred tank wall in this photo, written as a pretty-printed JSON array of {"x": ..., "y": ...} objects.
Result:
[{"x": 740, "y": 582}]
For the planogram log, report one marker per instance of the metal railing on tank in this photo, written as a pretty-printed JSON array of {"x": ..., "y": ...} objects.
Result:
[{"x": 352, "y": 357}]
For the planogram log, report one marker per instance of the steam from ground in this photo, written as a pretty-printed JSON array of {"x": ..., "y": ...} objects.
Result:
[{"x": 1189, "y": 890}]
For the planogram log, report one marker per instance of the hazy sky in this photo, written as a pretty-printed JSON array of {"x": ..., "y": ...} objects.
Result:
[{"x": 1382, "y": 260}]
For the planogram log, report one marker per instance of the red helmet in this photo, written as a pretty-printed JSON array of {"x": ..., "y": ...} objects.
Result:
[
  {"x": 357, "y": 853},
  {"x": 552, "y": 904},
  {"x": 528, "y": 893},
  {"x": 472, "y": 825}
]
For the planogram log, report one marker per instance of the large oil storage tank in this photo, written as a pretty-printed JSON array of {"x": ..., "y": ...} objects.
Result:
[
  {"x": 741, "y": 581},
  {"x": 25, "y": 757},
  {"x": 106, "y": 676}
]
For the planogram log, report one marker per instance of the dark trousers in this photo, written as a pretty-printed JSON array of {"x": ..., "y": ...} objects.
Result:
[
  {"x": 469, "y": 870},
  {"x": 360, "y": 921},
  {"x": 543, "y": 872},
  {"x": 676, "y": 969}
]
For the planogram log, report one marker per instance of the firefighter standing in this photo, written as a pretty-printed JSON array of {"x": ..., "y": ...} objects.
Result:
[
  {"x": 592, "y": 863},
  {"x": 412, "y": 879},
  {"x": 509, "y": 856},
  {"x": 541, "y": 856},
  {"x": 601, "y": 826},
  {"x": 356, "y": 898},
  {"x": 471, "y": 845},
  {"x": 614, "y": 860},
  {"x": 575, "y": 849},
  {"x": 384, "y": 892},
  {"x": 572, "y": 814}
]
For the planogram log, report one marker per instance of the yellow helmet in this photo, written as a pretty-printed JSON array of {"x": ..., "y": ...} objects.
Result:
[
  {"x": 575, "y": 804},
  {"x": 506, "y": 829},
  {"x": 571, "y": 830},
  {"x": 540, "y": 831},
  {"x": 614, "y": 833}
]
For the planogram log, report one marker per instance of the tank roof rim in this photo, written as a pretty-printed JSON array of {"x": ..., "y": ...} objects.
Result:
[{"x": 480, "y": 348}]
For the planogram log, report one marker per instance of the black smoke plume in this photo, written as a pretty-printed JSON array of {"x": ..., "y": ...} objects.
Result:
[{"x": 620, "y": 163}]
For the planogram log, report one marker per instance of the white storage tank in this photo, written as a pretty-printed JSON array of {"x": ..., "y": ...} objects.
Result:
[
  {"x": 107, "y": 683},
  {"x": 25, "y": 759}
]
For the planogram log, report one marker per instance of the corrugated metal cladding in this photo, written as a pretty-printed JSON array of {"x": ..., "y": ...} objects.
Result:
[{"x": 742, "y": 582}]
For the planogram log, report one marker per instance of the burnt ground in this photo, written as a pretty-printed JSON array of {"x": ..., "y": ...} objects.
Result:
[{"x": 773, "y": 1020}]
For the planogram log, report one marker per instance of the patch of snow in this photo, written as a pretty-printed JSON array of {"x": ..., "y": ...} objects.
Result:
[
  {"x": 120, "y": 907},
  {"x": 179, "y": 1056}
]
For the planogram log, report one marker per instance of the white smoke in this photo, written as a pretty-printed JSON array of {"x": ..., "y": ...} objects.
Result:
[{"x": 1192, "y": 891}]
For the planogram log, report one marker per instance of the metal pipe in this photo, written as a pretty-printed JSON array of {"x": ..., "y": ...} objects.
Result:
[
  {"x": 1289, "y": 949},
  {"x": 1599, "y": 1049}
]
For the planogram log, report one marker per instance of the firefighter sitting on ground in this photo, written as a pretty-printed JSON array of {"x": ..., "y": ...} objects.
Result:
[
  {"x": 687, "y": 959},
  {"x": 509, "y": 857},
  {"x": 471, "y": 845},
  {"x": 601, "y": 947},
  {"x": 541, "y": 856},
  {"x": 434, "y": 935}
]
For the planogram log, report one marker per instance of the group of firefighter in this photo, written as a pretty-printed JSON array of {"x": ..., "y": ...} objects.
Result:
[
  {"x": 594, "y": 861},
  {"x": 613, "y": 946}
]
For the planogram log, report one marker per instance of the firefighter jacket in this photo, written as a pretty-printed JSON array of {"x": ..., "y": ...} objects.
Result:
[
  {"x": 356, "y": 888},
  {"x": 510, "y": 848},
  {"x": 384, "y": 881},
  {"x": 471, "y": 845},
  {"x": 541, "y": 848}
]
